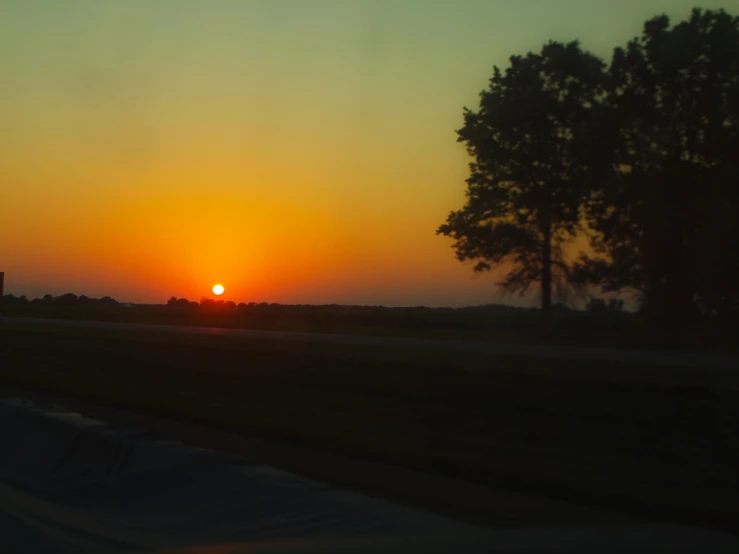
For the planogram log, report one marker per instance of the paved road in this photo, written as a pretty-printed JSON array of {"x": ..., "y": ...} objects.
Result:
[{"x": 657, "y": 358}]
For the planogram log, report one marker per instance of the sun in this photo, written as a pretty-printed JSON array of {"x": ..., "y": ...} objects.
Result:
[{"x": 218, "y": 290}]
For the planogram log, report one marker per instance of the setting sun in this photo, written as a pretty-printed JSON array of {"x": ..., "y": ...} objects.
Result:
[{"x": 218, "y": 290}]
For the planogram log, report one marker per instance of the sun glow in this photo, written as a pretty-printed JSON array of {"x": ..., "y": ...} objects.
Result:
[{"x": 218, "y": 290}]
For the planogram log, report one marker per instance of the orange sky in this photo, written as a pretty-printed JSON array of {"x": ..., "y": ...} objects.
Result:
[{"x": 293, "y": 151}]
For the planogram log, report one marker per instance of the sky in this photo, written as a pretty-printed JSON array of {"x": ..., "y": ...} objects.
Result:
[{"x": 297, "y": 151}]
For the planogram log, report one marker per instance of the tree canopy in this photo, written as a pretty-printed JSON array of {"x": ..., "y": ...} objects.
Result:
[
  {"x": 665, "y": 218},
  {"x": 528, "y": 178},
  {"x": 642, "y": 157}
]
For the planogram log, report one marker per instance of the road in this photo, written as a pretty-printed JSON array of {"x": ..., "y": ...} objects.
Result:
[{"x": 694, "y": 360}]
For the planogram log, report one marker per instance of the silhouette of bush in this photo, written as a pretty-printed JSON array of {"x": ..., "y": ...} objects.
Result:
[
  {"x": 180, "y": 303},
  {"x": 68, "y": 299},
  {"x": 11, "y": 301}
]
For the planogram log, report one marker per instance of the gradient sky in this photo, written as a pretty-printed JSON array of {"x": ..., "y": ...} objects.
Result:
[{"x": 296, "y": 151}]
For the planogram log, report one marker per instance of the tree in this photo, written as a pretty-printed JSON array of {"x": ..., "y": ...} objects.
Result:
[
  {"x": 178, "y": 303},
  {"x": 108, "y": 301},
  {"x": 9, "y": 300},
  {"x": 67, "y": 299},
  {"x": 666, "y": 220},
  {"x": 528, "y": 178}
]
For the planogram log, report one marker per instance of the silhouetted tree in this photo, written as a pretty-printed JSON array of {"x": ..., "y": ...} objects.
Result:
[
  {"x": 527, "y": 180},
  {"x": 108, "y": 301},
  {"x": 211, "y": 303},
  {"x": 666, "y": 221},
  {"x": 11, "y": 301},
  {"x": 68, "y": 299},
  {"x": 180, "y": 303}
]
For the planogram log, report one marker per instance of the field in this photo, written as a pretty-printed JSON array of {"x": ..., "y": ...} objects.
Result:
[
  {"x": 494, "y": 323},
  {"x": 658, "y": 441}
]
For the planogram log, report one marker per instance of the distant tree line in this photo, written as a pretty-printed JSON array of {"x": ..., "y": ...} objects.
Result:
[
  {"x": 473, "y": 317},
  {"x": 184, "y": 303},
  {"x": 367, "y": 314},
  {"x": 208, "y": 303},
  {"x": 640, "y": 156},
  {"x": 68, "y": 299},
  {"x": 604, "y": 323}
]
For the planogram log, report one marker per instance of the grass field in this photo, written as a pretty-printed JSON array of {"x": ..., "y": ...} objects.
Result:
[
  {"x": 496, "y": 323},
  {"x": 493, "y": 324},
  {"x": 658, "y": 441}
]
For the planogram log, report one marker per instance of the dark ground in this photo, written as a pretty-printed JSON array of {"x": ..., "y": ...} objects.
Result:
[
  {"x": 494, "y": 324},
  {"x": 662, "y": 443}
]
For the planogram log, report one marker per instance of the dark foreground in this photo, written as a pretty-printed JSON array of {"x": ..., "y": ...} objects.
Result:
[
  {"x": 74, "y": 484},
  {"x": 651, "y": 441}
]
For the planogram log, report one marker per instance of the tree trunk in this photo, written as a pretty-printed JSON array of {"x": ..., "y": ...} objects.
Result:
[{"x": 546, "y": 271}]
